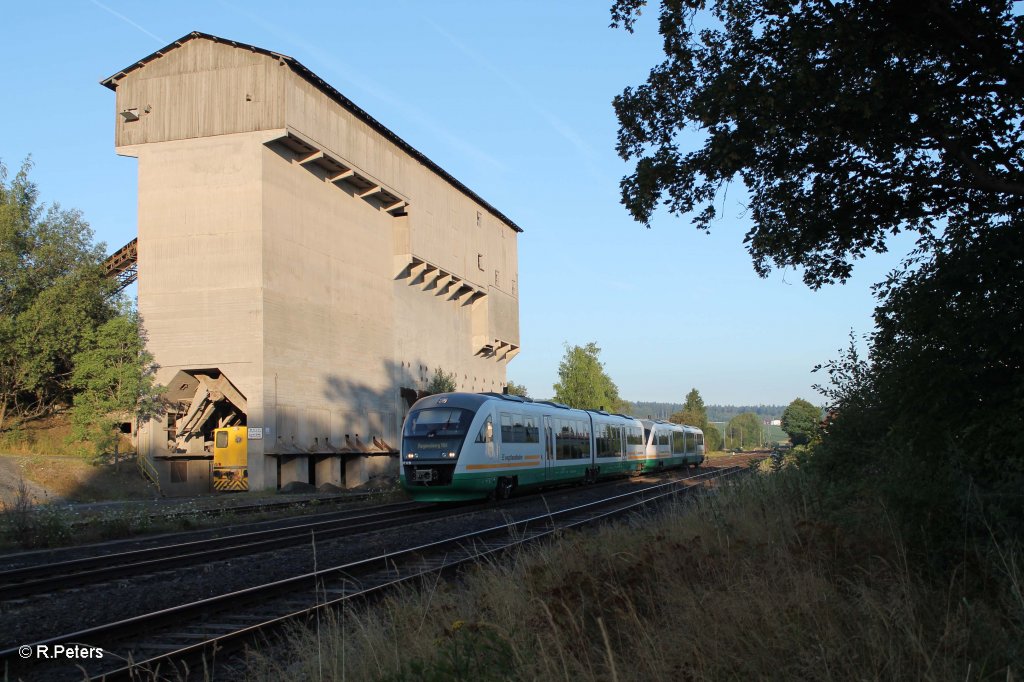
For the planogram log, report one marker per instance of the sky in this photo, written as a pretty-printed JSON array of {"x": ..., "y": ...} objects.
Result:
[{"x": 514, "y": 100}]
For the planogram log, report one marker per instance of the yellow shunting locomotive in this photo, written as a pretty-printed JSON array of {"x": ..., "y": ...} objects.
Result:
[{"x": 230, "y": 459}]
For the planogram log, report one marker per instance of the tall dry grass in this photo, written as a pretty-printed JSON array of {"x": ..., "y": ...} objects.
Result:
[{"x": 745, "y": 584}]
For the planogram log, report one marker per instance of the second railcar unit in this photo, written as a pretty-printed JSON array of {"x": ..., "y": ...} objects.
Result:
[
  {"x": 464, "y": 446},
  {"x": 671, "y": 445}
]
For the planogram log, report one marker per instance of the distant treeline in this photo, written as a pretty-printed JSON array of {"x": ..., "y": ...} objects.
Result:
[
  {"x": 716, "y": 413},
  {"x": 723, "y": 413}
]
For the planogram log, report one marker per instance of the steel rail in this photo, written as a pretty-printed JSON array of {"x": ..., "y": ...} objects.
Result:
[
  {"x": 574, "y": 516},
  {"x": 245, "y": 509},
  {"x": 30, "y": 580}
]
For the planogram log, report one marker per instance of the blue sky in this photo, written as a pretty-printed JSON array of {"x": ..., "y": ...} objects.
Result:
[{"x": 514, "y": 100}]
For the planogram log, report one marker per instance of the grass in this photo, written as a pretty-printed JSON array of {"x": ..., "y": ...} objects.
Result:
[
  {"x": 747, "y": 584},
  {"x": 74, "y": 479},
  {"x": 48, "y": 436}
]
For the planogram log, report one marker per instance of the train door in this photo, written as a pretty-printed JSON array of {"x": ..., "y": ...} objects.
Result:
[
  {"x": 591, "y": 474},
  {"x": 549, "y": 448}
]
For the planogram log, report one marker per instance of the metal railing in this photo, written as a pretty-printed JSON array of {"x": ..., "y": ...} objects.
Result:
[{"x": 147, "y": 470}]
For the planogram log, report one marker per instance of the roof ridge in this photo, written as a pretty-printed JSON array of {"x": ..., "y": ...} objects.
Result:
[{"x": 330, "y": 91}]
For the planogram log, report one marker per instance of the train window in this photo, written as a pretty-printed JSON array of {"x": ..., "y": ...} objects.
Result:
[
  {"x": 532, "y": 433},
  {"x": 438, "y": 421},
  {"x": 663, "y": 438},
  {"x": 691, "y": 442},
  {"x": 647, "y": 436},
  {"x": 700, "y": 439},
  {"x": 603, "y": 436},
  {"x": 222, "y": 439},
  {"x": 678, "y": 442},
  {"x": 486, "y": 434},
  {"x": 616, "y": 440},
  {"x": 513, "y": 430},
  {"x": 518, "y": 429},
  {"x": 572, "y": 440},
  {"x": 634, "y": 436},
  {"x": 583, "y": 436},
  {"x": 563, "y": 440}
]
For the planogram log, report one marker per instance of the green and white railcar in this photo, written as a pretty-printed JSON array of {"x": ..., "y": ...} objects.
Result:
[
  {"x": 465, "y": 446},
  {"x": 670, "y": 445}
]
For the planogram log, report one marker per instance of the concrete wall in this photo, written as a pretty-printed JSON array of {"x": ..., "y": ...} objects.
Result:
[{"x": 253, "y": 261}]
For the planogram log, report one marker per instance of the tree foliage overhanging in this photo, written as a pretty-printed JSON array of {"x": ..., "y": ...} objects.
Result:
[
  {"x": 846, "y": 121},
  {"x": 849, "y": 122}
]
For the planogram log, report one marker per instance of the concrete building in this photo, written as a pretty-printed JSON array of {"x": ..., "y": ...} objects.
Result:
[{"x": 302, "y": 270}]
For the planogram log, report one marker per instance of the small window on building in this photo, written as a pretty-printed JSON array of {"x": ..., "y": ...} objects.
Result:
[
  {"x": 479, "y": 216},
  {"x": 179, "y": 472},
  {"x": 480, "y": 261},
  {"x": 497, "y": 277}
]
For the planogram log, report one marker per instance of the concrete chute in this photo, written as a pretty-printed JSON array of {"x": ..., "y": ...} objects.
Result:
[{"x": 200, "y": 401}]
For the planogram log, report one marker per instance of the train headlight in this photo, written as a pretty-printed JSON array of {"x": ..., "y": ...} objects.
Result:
[
  {"x": 410, "y": 455},
  {"x": 451, "y": 454}
]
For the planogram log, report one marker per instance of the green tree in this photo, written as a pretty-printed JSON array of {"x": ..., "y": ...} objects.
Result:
[
  {"x": 114, "y": 380},
  {"x": 847, "y": 122},
  {"x": 693, "y": 413},
  {"x": 442, "y": 382},
  {"x": 517, "y": 389},
  {"x": 712, "y": 438},
  {"x": 744, "y": 431},
  {"x": 583, "y": 382},
  {"x": 801, "y": 421},
  {"x": 930, "y": 420},
  {"x": 52, "y": 294}
]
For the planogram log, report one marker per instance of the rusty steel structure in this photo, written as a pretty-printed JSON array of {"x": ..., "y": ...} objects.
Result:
[{"x": 123, "y": 265}]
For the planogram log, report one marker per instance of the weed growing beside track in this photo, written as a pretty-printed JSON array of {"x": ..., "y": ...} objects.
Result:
[{"x": 746, "y": 584}]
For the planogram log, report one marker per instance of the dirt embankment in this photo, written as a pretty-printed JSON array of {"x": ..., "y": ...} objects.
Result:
[
  {"x": 55, "y": 478},
  {"x": 13, "y": 478}
]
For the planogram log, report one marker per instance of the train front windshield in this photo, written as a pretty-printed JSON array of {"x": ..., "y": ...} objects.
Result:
[{"x": 436, "y": 432}]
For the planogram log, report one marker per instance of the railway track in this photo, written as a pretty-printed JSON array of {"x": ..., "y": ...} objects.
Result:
[
  {"x": 197, "y": 633},
  {"x": 32, "y": 580}
]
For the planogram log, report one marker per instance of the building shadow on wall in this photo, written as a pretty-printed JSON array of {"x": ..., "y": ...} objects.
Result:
[{"x": 360, "y": 417}]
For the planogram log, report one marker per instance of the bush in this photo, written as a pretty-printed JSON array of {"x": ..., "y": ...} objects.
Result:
[{"x": 930, "y": 423}]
